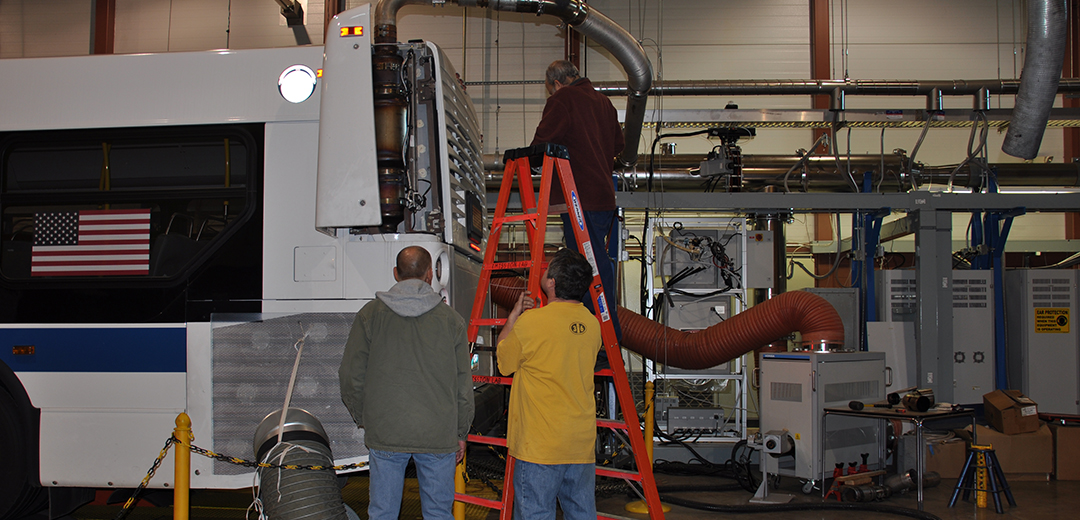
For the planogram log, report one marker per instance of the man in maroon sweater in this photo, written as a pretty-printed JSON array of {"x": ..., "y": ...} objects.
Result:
[{"x": 584, "y": 120}]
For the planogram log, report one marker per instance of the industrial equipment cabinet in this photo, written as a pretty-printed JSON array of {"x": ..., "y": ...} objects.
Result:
[
  {"x": 702, "y": 300},
  {"x": 797, "y": 387}
]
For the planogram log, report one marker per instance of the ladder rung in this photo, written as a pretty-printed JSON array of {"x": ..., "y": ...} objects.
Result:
[
  {"x": 515, "y": 218},
  {"x": 493, "y": 380},
  {"x": 490, "y": 321},
  {"x": 618, "y": 473},
  {"x": 486, "y": 502},
  {"x": 614, "y": 425},
  {"x": 604, "y": 373},
  {"x": 523, "y": 264},
  {"x": 482, "y": 439}
]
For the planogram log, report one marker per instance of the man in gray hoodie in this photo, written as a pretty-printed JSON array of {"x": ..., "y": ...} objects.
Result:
[{"x": 406, "y": 379}]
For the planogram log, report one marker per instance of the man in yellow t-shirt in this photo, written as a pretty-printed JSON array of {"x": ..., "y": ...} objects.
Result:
[{"x": 552, "y": 425}]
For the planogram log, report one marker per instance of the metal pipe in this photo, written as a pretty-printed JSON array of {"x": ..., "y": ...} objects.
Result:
[
  {"x": 586, "y": 20},
  {"x": 760, "y": 171},
  {"x": 851, "y": 87},
  {"x": 611, "y": 36},
  {"x": 1046, "y": 37}
]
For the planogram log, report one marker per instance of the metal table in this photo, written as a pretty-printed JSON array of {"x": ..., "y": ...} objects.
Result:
[{"x": 898, "y": 413}]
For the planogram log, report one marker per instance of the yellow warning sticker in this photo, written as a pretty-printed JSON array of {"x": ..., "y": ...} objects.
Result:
[{"x": 1052, "y": 321}]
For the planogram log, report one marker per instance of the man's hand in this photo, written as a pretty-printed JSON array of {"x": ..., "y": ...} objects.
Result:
[
  {"x": 460, "y": 451},
  {"x": 524, "y": 303}
]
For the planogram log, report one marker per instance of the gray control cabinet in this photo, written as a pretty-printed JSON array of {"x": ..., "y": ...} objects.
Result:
[
  {"x": 1043, "y": 351},
  {"x": 796, "y": 387}
]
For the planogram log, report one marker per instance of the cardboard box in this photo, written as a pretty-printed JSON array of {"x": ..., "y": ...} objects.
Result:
[
  {"x": 946, "y": 457},
  {"x": 1024, "y": 456},
  {"x": 1066, "y": 452},
  {"x": 1011, "y": 412}
]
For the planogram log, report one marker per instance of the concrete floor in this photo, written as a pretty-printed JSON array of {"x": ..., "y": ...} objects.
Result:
[{"x": 1035, "y": 500}]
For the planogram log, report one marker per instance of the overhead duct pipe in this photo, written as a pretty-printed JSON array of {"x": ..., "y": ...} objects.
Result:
[
  {"x": 820, "y": 175},
  {"x": 1046, "y": 38},
  {"x": 795, "y": 311},
  {"x": 850, "y": 87},
  {"x": 586, "y": 20}
]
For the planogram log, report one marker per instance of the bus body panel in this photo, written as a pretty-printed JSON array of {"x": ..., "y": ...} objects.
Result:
[{"x": 224, "y": 355}]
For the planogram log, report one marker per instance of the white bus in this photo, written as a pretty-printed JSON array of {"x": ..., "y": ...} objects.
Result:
[{"x": 159, "y": 250}]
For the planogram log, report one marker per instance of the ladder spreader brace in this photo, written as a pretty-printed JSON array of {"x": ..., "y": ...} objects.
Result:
[{"x": 534, "y": 218}]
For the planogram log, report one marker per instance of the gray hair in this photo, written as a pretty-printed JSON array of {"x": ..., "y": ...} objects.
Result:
[{"x": 562, "y": 71}]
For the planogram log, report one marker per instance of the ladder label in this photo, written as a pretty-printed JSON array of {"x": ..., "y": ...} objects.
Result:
[
  {"x": 590, "y": 256},
  {"x": 576, "y": 205},
  {"x": 604, "y": 314}
]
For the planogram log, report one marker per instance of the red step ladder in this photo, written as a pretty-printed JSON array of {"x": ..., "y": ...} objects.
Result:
[{"x": 534, "y": 218}]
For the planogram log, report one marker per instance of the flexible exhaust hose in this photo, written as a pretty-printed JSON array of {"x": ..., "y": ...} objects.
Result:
[
  {"x": 1046, "y": 40},
  {"x": 756, "y": 327},
  {"x": 297, "y": 494}
]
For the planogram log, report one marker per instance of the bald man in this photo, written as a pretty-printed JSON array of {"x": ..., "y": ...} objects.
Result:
[{"x": 406, "y": 379}]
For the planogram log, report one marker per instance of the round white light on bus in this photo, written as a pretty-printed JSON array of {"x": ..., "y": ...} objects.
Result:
[{"x": 296, "y": 83}]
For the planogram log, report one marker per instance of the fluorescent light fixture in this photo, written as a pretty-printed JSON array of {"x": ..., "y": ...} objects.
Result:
[{"x": 296, "y": 83}]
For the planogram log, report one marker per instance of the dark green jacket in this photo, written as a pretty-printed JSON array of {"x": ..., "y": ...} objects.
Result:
[{"x": 405, "y": 375}]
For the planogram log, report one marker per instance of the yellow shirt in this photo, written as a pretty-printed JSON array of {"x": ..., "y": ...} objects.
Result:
[{"x": 552, "y": 351}]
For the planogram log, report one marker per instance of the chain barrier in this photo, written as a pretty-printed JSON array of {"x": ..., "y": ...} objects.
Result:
[
  {"x": 255, "y": 464},
  {"x": 223, "y": 458},
  {"x": 146, "y": 480}
]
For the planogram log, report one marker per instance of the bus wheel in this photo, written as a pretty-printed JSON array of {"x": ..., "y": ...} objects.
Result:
[{"x": 18, "y": 496}]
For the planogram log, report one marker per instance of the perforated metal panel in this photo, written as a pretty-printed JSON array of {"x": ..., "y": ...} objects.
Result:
[{"x": 253, "y": 356}]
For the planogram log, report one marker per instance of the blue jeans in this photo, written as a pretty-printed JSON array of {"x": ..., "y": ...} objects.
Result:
[
  {"x": 601, "y": 227},
  {"x": 435, "y": 472},
  {"x": 536, "y": 486}
]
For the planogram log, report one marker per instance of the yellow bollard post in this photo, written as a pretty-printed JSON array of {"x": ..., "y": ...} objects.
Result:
[
  {"x": 459, "y": 487},
  {"x": 640, "y": 506},
  {"x": 182, "y": 469}
]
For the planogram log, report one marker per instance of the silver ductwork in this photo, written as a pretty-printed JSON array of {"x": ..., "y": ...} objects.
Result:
[
  {"x": 1046, "y": 39},
  {"x": 297, "y": 494},
  {"x": 819, "y": 174},
  {"x": 583, "y": 18},
  {"x": 850, "y": 87}
]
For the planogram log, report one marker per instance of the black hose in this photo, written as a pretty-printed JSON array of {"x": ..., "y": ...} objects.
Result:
[
  {"x": 698, "y": 488},
  {"x": 810, "y": 506}
]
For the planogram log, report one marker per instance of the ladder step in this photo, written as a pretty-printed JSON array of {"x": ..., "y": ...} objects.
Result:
[
  {"x": 618, "y": 473},
  {"x": 524, "y": 217},
  {"x": 494, "y": 441},
  {"x": 486, "y": 502},
  {"x": 614, "y": 425},
  {"x": 491, "y": 321},
  {"x": 493, "y": 380},
  {"x": 524, "y": 264}
]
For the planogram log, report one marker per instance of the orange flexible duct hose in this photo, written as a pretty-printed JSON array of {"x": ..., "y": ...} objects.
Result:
[{"x": 756, "y": 327}]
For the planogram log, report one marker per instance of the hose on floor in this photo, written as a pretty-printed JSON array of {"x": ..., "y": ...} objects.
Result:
[{"x": 811, "y": 506}]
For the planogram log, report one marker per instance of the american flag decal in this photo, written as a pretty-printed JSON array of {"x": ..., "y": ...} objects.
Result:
[{"x": 91, "y": 243}]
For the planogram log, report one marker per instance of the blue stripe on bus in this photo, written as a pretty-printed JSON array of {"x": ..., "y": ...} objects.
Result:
[{"x": 95, "y": 349}]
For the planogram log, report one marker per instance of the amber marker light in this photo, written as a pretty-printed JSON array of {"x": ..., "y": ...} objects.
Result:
[{"x": 353, "y": 31}]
